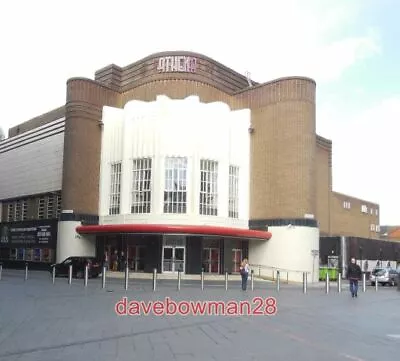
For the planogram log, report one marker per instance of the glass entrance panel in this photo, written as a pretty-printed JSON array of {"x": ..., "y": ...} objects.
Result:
[
  {"x": 211, "y": 260},
  {"x": 214, "y": 260},
  {"x": 179, "y": 261},
  {"x": 173, "y": 259},
  {"x": 136, "y": 258},
  {"x": 141, "y": 257},
  {"x": 206, "y": 258},
  {"x": 236, "y": 260},
  {"x": 168, "y": 259}
]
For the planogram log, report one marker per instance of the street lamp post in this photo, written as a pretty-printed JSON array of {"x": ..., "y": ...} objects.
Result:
[{"x": 380, "y": 257}]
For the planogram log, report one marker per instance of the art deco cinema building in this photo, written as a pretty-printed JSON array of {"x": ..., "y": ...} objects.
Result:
[{"x": 177, "y": 161}]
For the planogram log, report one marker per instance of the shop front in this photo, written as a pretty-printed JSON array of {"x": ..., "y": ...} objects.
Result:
[
  {"x": 28, "y": 241},
  {"x": 169, "y": 249}
]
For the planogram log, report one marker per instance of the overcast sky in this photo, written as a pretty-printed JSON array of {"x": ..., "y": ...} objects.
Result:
[{"x": 350, "y": 47}]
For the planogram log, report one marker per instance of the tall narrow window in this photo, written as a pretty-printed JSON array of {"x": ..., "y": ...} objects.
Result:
[
  {"x": 10, "y": 215},
  {"x": 18, "y": 211},
  {"x": 50, "y": 206},
  {"x": 24, "y": 209},
  {"x": 115, "y": 191},
  {"x": 208, "y": 187},
  {"x": 41, "y": 208},
  {"x": 233, "y": 207},
  {"x": 58, "y": 207},
  {"x": 141, "y": 187},
  {"x": 175, "y": 185}
]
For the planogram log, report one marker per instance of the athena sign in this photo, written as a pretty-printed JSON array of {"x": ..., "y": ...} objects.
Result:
[{"x": 183, "y": 64}]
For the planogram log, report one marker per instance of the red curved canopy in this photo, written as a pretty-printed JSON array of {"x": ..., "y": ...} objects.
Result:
[{"x": 172, "y": 228}]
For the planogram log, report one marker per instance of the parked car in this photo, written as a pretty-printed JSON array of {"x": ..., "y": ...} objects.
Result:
[
  {"x": 78, "y": 267},
  {"x": 384, "y": 276}
]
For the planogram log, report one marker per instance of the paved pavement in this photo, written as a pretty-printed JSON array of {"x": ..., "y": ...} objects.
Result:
[{"x": 42, "y": 321}]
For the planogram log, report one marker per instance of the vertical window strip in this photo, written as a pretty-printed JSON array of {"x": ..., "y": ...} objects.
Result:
[
  {"x": 175, "y": 188},
  {"x": 141, "y": 187},
  {"x": 115, "y": 192},
  {"x": 18, "y": 211},
  {"x": 58, "y": 206},
  {"x": 10, "y": 215},
  {"x": 50, "y": 208},
  {"x": 233, "y": 208},
  {"x": 41, "y": 208},
  {"x": 208, "y": 187},
  {"x": 24, "y": 209}
]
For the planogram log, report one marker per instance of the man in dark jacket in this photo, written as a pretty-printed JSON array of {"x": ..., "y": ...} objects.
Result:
[{"x": 353, "y": 275}]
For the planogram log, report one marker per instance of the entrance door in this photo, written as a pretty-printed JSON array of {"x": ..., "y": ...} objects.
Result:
[
  {"x": 173, "y": 259},
  {"x": 236, "y": 260},
  {"x": 211, "y": 260},
  {"x": 136, "y": 257}
]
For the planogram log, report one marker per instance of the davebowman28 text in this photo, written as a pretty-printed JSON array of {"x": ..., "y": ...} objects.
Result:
[{"x": 258, "y": 306}]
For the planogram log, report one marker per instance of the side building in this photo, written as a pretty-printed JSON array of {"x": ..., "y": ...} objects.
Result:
[
  {"x": 350, "y": 227},
  {"x": 31, "y": 161}
]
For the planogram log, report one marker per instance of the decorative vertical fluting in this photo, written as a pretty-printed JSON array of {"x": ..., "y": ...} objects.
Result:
[{"x": 82, "y": 143}]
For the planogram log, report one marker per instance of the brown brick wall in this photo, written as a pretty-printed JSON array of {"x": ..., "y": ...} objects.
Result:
[
  {"x": 324, "y": 184},
  {"x": 283, "y": 161},
  {"x": 352, "y": 222},
  {"x": 177, "y": 89}
]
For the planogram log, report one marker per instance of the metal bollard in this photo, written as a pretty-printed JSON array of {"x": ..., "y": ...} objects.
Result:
[
  {"x": 226, "y": 281},
  {"x": 376, "y": 285},
  {"x": 364, "y": 283},
  {"x": 202, "y": 279},
  {"x": 154, "y": 278},
  {"x": 126, "y": 277},
  {"x": 70, "y": 274},
  {"x": 54, "y": 275},
  {"x": 327, "y": 283},
  {"x": 339, "y": 283},
  {"x": 179, "y": 280},
  {"x": 252, "y": 280},
  {"x": 304, "y": 282},
  {"x": 86, "y": 275},
  {"x": 1, "y": 270},
  {"x": 26, "y": 271},
  {"x": 103, "y": 277},
  {"x": 278, "y": 280}
]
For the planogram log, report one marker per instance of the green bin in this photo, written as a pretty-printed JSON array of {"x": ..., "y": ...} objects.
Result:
[{"x": 332, "y": 272}]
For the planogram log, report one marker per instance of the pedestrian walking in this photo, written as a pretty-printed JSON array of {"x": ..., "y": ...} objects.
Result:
[
  {"x": 354, "y": 275},
  {"x": 244, "y": 272}
]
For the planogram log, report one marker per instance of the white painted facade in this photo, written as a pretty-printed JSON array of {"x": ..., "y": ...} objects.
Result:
[
  {"x": 70, "y": 243},
  {"x": 290, "y": 251},
  {"x": 31, "y": 163},
  {"x": 175, "y": 128}
]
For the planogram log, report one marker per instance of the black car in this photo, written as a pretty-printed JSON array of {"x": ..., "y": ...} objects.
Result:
[{"x": 78, "y": 267}]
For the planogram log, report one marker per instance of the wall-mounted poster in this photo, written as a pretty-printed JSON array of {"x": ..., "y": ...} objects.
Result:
[
  {"x": 36, "y": 255},
  {"x": 47, "y": 255},
  {"x": 28, "y": 234},
  {"x": 20, "y": 254}
]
